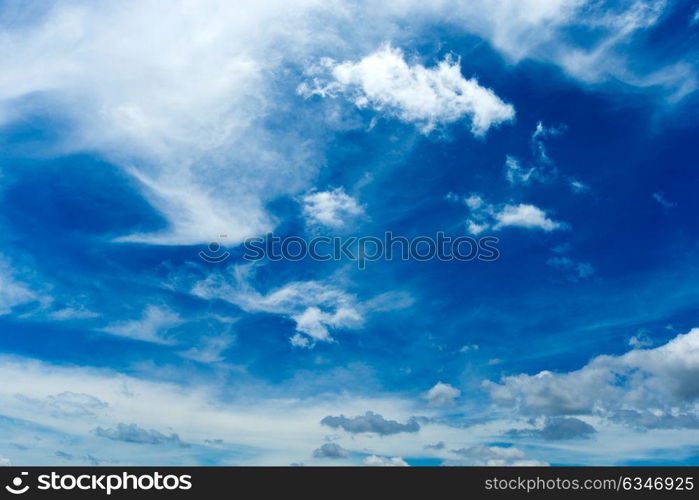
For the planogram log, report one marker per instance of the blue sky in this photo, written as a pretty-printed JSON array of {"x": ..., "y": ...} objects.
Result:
[{"x": 135, "y": 133}]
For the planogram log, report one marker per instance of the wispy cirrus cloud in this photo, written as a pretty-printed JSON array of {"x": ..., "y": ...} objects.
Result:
[
  {"x": 316, "y": 307},
  {"x": 13, "y": 292},
  {"x": 153, "y": 326},
  {"x": 196, "y": 129}
]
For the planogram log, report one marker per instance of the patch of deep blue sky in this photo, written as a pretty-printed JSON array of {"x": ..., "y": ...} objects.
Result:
[{"x": 60, "y": 213}]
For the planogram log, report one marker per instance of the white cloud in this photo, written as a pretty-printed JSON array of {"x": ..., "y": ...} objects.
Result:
[
  {"x": 540, "y": 29},
  {"x": 132, "y": 433},
  {"x": 210, "y": 349},
  {"x": 377, "y": 461},
  {"x": 640, "y": 340},
  {"x": 442, "y": 395},
  {"x": 331, "y": 208},
  {"x": 645, "y": 387},
  {"x": 331, "y": 450},
  {"x": 258, "y": 426},
  {"x": 537, "y": 140},
  {"x": 314, "y": 322},
  {"x": 541, "y": 167},
  {"x": 663, "y": 201},
  {"x": 73, "y": 312},
  {"x": 180, "y": 103},
  {"x": 537, "y": 29},
  {"x": 525, "y": 216},
  {"x": 515, "y": 173},
  {"x": 152, "y": 327},
  {"x": 486, "y": 216},
  {"x": 262, "y": 430},
  {"x": 413, "y": 93},
  {"x": 557, "y": 429},
  {"x": 315, "y": 307},
  {"x": 494, "y": 456},
  {"x": 299, "y": 340},
  {"x": 370, "y": 422},
  {"x": 577, "y": 186},
  {"x": 71, "y": 404},
  {"x": 12, "y": 291},
  {"x": 183, "y": 103}
]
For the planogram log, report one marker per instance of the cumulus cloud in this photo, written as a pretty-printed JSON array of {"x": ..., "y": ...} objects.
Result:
[
  {"x": 377, "y": 461},
  {"x": 314, "y": 322},
  {"x": 442, "y": 395},
  {"x": 370, "y": 422},
  {"x": 493, "y": 456},
  {"x": 331, "y": 450},
  {"x": 413, "y": 93},
  {"x": 333, "y": 209},
  {"x": 151, "y": 327},
  {"x": 525, "y": 216},
  {"x": 485, "y": 216},
  {"x": 557, "y": 429},
  {"x": 132, "y": 433},
  {"x": 644, "y": 387}
]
